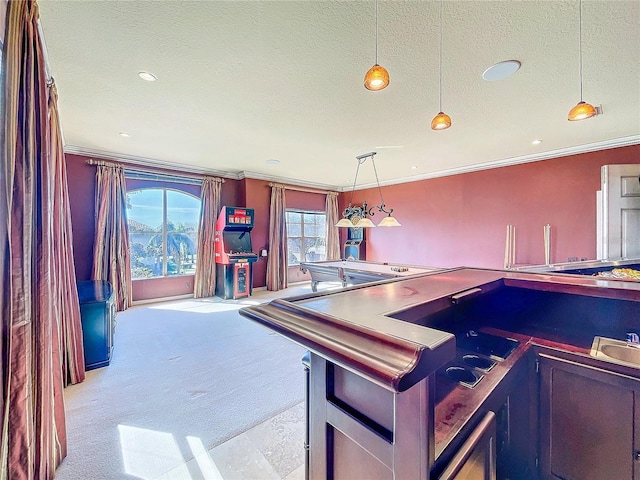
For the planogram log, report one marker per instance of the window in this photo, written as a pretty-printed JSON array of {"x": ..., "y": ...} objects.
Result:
[
  {"x": 163, "y": 232},
  {"x": 305, "y": 237}
]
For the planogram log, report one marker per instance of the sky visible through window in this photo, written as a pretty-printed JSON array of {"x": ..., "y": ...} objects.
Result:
[{"x": 146, "y": 207}]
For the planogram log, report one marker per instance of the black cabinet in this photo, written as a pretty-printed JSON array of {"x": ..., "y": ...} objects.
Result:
[{"x": 97, "y": 309}]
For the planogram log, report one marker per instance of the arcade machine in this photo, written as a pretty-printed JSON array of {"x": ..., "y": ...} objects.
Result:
[
  {"x": 354, "y": 246},
  {"x": 234, "y": 273}
]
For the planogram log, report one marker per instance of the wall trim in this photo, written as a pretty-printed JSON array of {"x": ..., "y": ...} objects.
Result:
[
  {"x": 146, "y": 162},
  {"x": 147, "y": 301},
  {"x": 506, "y": 162}
]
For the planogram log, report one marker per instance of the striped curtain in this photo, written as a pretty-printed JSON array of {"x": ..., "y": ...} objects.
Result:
[
  {"x": 204, "y": 284},
  {"x": 277, "y": 259},
  {"x": 331, "y": 231},
  {"x": 68, "y": 302},
  {"x": 40, "y": 334},
  {"x": 111, "y": 245}
]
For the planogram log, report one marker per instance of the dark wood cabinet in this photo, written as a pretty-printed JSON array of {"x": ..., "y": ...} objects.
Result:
[
  {"x": 476, "y": 458},
  {"x": 97, "y": 309},
  {"x": 589, "y": 428}
]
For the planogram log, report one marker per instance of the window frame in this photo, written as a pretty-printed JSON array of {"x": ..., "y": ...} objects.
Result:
[
  {"x": 302, "y": 236},
  {"x": 164, "y": 230}
]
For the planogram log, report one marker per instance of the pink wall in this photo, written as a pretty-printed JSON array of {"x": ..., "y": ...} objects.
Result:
[
  {"x": 258, "y": 196},
  {"x": 450, "y": 221},
  {"x": 82, "y": 182},
  {"x": 82, "y": 188},
  {"x": 461, "y": 220}
]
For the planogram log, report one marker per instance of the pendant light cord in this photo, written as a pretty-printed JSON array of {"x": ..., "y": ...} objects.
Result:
[
  {"x": 353, "y": 189},
  {"x": 580, "y": 46},
  {"x": 440, "y": 55},
  {"x": 382, "y": 205},
  {"x": 376, "y": 32}
]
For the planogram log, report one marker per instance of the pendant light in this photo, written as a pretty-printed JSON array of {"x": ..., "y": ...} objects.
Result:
[
  {"x": 377, "y": 76},
  {"x": 441, "y": 120},
  {"x": 582, "y": 110}
]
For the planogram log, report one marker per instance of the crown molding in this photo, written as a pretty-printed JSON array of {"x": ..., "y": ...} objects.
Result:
[
  {"x": 507, "y": 162},
  {"x": 563, "y": 152},
  {"x": 146, "y": 162},
  {"x": 289, "y": 181}
]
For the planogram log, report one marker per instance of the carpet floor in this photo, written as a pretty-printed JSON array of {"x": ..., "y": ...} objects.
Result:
[{"x": 185, "y": 377}]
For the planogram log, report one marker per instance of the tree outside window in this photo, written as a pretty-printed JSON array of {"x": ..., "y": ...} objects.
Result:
[
  {"x": 305, "y": 237},
  {"x": 163, "y": 232}
]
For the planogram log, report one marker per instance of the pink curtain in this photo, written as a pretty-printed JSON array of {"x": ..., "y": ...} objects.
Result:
[
  {"x": 333, "y": 238},
  {"x": 68, "y": 303},
  {"x": 204, "y": 284},
  {"x": 40, "y": 334},
  {"x": 111, "y": 246},
  {"x": 277, "y": 259}
]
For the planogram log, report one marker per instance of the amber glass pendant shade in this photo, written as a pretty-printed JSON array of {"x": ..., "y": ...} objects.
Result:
[
  {"x": 376, "y": 78},
  {"x": 441, "y": 121},
  {"x": 581, "y": 111}
]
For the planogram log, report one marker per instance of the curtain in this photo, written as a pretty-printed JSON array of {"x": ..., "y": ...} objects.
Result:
[
  {"x": 69, "y": 304},
  {"x": 41, "y": 333},
  {"x": 277, "y": 259},
  {"x": 111, "y": 245},
  {"x": 204, "y": 284},
  {"x": 333, "y": 239}
]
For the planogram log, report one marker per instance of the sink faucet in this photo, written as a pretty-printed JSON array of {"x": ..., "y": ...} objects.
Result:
[{"x": 633, "y": 339}]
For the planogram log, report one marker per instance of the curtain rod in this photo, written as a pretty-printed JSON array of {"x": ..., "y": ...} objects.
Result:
[
  {"x": 152, "y": 171},
  {"x": 302, "y": 189}
]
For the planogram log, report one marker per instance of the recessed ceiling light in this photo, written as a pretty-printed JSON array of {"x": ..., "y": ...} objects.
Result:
[
  {"x": 149, "y": 77},
  {"x": 414, "y": 167},
  {"x": 273, "y": 161},
  {"x": 501, "y": 70},
  {"x": 537, "y": 141},
  {"x": 124, "y": 134}
]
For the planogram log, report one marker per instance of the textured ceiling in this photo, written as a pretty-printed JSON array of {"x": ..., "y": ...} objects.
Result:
[{"x": 243, "y": 82}]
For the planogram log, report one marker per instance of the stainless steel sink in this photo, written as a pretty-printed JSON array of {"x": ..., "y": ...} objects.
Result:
[{"x": 617, "y": 351}]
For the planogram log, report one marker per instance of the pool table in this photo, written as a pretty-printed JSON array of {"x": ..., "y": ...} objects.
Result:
[{"x": 353, "y": 272}]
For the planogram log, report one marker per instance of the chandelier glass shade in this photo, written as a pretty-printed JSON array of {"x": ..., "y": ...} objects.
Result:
[{"x": 358, "y": 216}]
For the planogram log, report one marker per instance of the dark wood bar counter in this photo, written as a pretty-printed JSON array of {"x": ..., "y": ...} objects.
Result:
[{"x": 464, "y": 373}]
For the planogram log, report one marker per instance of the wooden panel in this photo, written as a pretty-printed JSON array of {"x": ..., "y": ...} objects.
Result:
[
  {"x": 363, "y": 396},
  {"x": 350, "y": 461},
  {"x": 476, "y": 459},
  {"x": 346, "y": 443},
  {"x": 586, "y": 423}
]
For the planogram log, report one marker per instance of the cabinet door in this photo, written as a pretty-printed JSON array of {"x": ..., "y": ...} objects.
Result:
[
  {"x": 476, "y": 459},
  {"x": 587, "y": 428}
]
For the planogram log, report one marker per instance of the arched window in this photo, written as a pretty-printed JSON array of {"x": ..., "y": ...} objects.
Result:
[{"x": 163, "y": 232}]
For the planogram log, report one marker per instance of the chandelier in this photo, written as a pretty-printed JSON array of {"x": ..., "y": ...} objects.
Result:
[{"x": 356, "y": 216}]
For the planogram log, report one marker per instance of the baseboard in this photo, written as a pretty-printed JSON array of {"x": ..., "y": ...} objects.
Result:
[{"x": 161, "y": 299}]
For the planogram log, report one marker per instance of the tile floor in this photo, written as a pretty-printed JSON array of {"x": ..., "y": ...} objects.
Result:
[{"x": 272, "y": 450}]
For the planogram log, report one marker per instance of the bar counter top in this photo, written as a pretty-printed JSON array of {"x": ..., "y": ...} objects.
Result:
[{"x": 375, "y": 330}]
